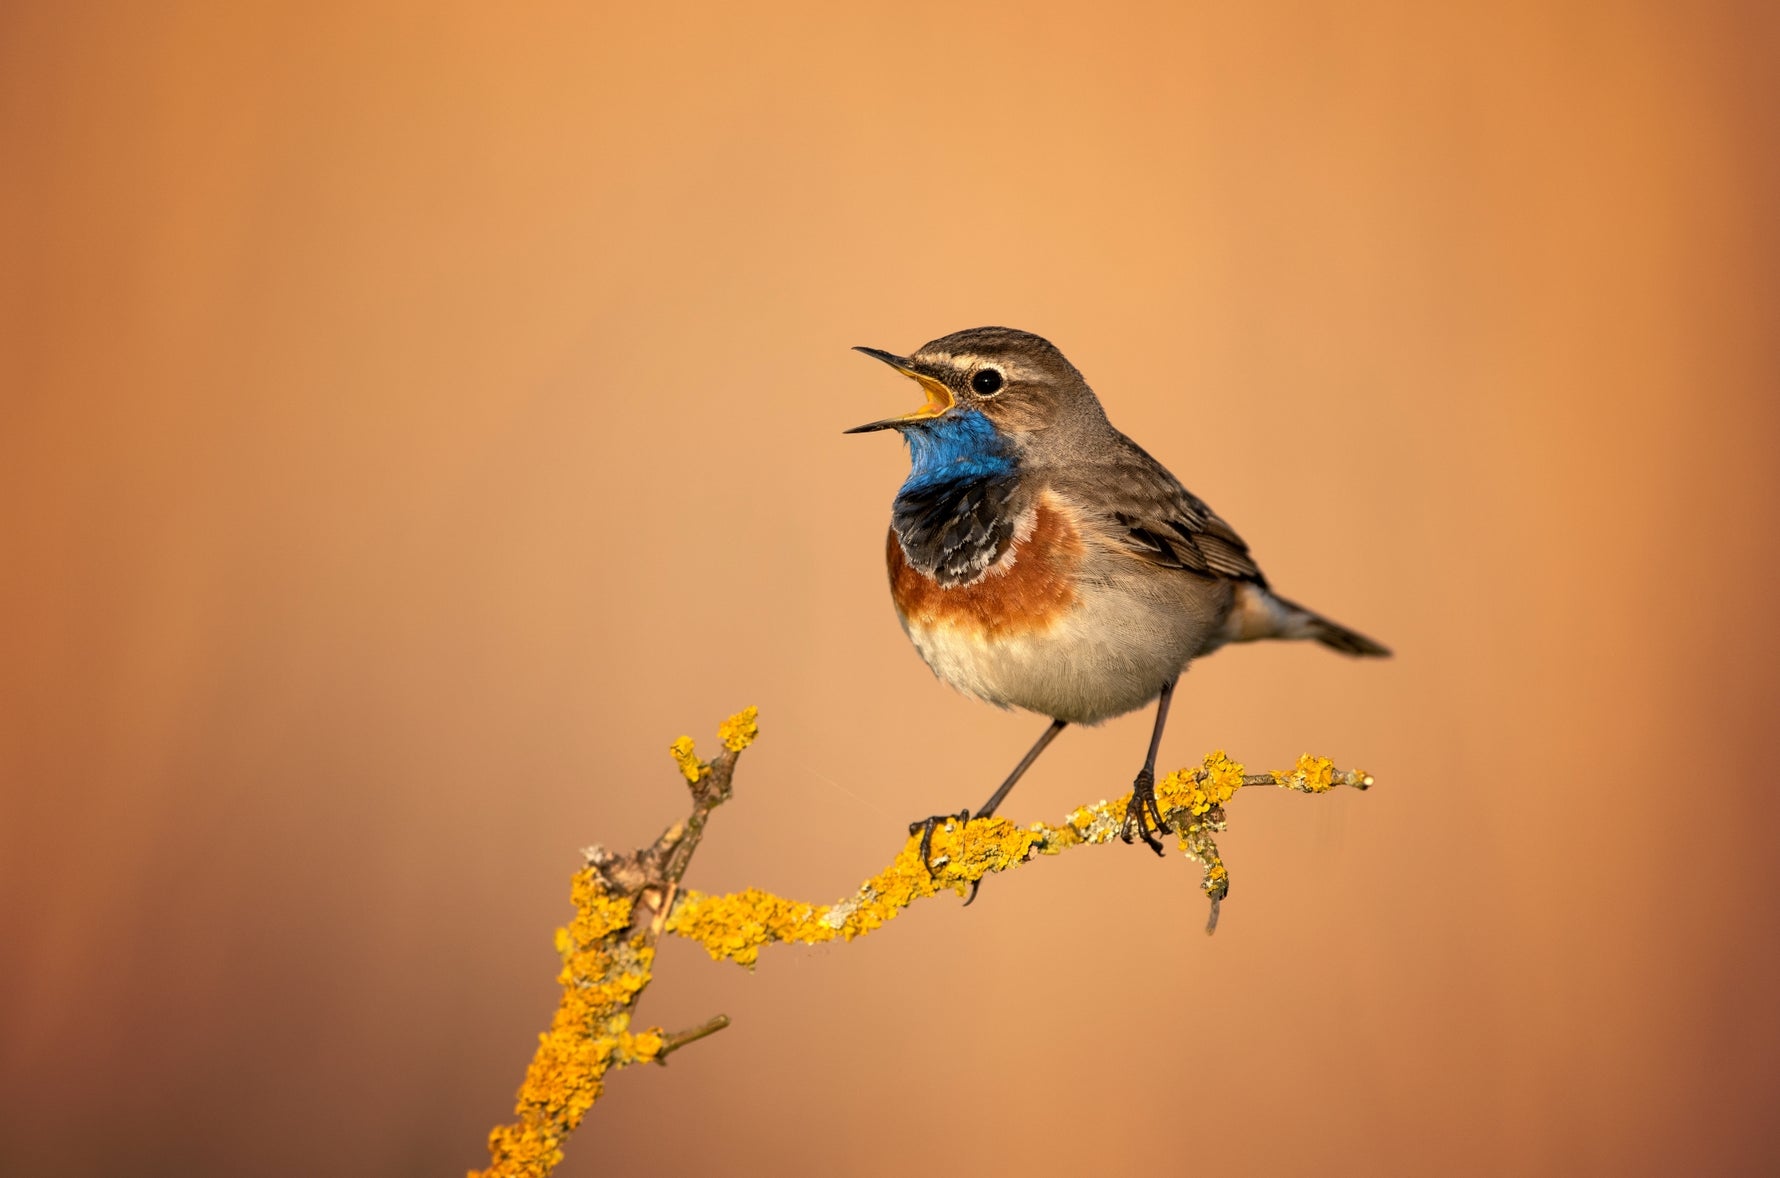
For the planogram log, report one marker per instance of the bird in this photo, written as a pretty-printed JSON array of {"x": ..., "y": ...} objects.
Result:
[{"x": 1039, "y": 559}]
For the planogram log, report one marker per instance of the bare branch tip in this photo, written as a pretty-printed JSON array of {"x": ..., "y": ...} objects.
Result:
[{"x": 679, "y": 1039}]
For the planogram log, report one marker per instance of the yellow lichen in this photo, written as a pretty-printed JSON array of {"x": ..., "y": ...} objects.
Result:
[
  {"x": 607, "y": 963},
  {"x": 1223, "y": 777},
  {"x": 1313, "y": 775},
  {"x": 642, "y": 1047},
  {"x": 739, "y": 731},
  {"x": 736, "y": 927},
  {"x": 602, "y": 974},
  {"x": 1199, "y": 790},
  {"x": 690, "y": 766}
]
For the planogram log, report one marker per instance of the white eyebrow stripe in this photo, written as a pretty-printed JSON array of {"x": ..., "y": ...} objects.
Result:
[{"x": 968, "y": 361}]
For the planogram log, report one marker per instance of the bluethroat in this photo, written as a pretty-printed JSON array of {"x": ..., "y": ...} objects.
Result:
[{"x": 1040, "y": 559}]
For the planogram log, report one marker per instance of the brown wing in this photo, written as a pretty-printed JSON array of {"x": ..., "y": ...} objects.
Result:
[{"x": 1156, "y": 519}]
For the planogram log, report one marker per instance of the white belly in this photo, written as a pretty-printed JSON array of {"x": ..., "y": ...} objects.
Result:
[{"x": 1111, "y": 652}]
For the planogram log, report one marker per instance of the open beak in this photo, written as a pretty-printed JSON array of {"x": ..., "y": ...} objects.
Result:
[{"x": 939, "y": 397}]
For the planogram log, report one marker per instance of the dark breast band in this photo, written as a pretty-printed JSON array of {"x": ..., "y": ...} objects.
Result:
[{"x": 1027, "y": 591}]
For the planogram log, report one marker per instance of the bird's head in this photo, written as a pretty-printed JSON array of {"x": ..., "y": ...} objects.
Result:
[{"x": 1013, "y": 382}]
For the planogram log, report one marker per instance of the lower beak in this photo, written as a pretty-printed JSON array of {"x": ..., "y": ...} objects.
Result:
[{"x": 939, "y": 397}]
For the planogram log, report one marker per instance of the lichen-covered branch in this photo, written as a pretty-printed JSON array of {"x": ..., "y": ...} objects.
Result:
[{"x": 624, "y": 903}]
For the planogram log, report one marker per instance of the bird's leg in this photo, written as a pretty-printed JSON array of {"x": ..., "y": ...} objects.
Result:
[
  {"x": 995, "y": 799},
  {"x": 926, "y": 825},
  {"x": 1143, "y": 809}
]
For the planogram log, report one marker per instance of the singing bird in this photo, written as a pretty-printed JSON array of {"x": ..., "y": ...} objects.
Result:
[{"x": 1041, "y": 559}]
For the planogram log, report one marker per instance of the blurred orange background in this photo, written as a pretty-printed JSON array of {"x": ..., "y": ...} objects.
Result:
[{"x": 415, "y": 419}]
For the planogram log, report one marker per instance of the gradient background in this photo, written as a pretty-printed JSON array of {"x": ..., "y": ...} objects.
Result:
[{"x": 414, "y": 420}]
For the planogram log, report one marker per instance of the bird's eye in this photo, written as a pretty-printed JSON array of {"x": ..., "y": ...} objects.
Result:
[{"x": 987, "y": 382}]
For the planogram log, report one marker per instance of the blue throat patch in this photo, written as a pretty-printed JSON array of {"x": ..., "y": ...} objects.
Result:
[
  {"x": 954, "y": 514},
  {"x": 959, "y": 445}
]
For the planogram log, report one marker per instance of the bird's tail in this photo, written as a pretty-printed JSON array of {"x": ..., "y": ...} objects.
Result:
[{"x": 1303, "y": 623}]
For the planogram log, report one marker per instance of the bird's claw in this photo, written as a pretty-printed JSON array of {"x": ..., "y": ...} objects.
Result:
[
  {"x": 1142, "y": 812},
  {"x": 925, "y": 826}
]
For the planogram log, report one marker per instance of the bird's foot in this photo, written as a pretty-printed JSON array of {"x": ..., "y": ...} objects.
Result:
[
  {"x": 1142, "y": 812},
  {"x": 925, "y": 826}
]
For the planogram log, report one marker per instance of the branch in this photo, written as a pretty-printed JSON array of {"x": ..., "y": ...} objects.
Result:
[{"x": 624, "y": 903}]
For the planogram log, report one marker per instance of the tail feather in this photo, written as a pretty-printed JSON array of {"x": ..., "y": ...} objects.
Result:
[{"x": 1307, "y": 624}]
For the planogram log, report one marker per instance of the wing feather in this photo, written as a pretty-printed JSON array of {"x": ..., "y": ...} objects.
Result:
[{"x": 1156, "y": 519}]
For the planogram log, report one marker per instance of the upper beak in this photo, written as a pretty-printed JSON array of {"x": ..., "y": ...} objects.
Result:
[{"x": 939, "y": 397}]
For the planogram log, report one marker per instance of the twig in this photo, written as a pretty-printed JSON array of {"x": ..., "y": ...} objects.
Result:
[{"x": 675, "y": 1042}]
